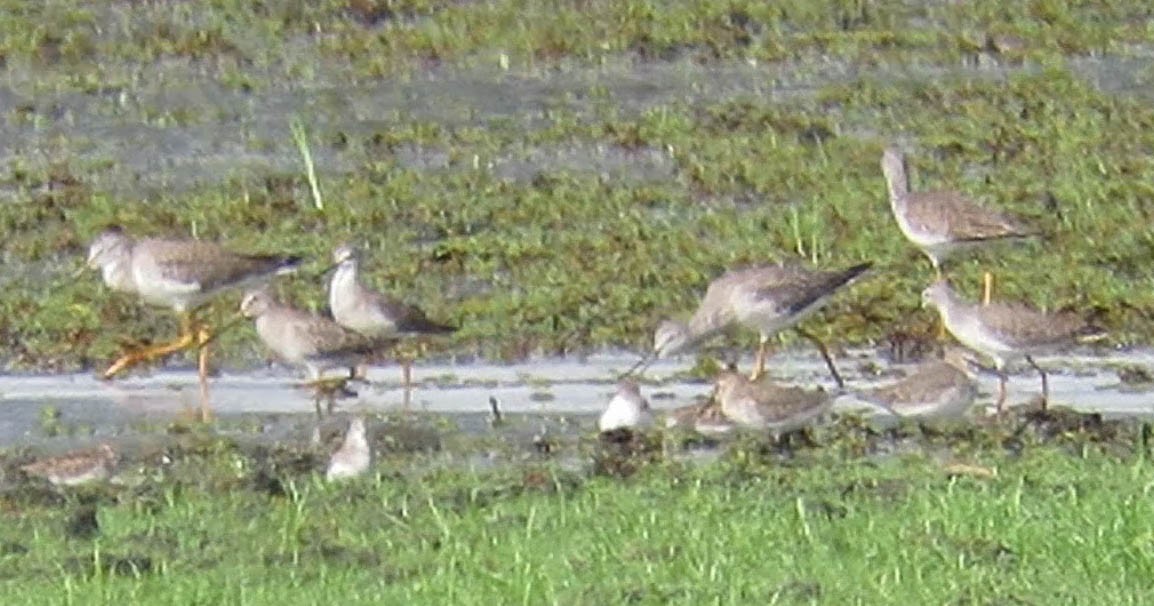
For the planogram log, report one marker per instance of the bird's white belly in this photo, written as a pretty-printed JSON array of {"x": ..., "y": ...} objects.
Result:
[
  {"x": 163, "y": 292},
  {"x": 954, "y": 401},
  {"x": 620, "y": 414},
  {"x": 974, "y": 335},
  {"x": 920, "y": 235}
]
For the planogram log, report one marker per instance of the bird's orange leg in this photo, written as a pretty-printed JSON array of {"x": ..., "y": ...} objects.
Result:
[
  {"x": 760, "y": 358},
  {"x": 186, "y": 339}
]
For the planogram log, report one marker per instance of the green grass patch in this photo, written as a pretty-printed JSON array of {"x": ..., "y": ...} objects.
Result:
[{"x": 1053, "y": 525}]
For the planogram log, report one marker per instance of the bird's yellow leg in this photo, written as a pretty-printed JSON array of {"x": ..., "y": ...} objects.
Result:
[
  {"x": 941, "y": 333},
  {"x": 407, "y": 381},
  {"x": 203, "y": 337},
  {"x": 760, "y": 358},
  {"x": 186, "y": 340},
  {"x": 987, "y": 287}
]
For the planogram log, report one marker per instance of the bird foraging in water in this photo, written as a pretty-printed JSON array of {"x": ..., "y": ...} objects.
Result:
[
  {"x": 304, "y": 339},
  {"x": 768, "y": 298}
]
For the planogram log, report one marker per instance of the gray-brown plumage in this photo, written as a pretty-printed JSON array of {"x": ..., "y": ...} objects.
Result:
[
  {"x": 939, "y": 388},
  {"x": 943, "y": 222},
  {"x": 76, "y": 467},
  {"x": 305, "y": 339},
  {"x": 704, "y": 418},
  {"x": 183, "y": 275},
  {"x": 764, "y": 405},
  {"x": 1008, "y": 331},
  {"x": 180, "y": 274},
  {"x": 768, "y": 298},
  {"x": 371, "y": 313},
  {"x": 376, "y": 315}
]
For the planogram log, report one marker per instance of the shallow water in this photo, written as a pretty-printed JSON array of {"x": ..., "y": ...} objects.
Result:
[{"x": 567, "y": 390}]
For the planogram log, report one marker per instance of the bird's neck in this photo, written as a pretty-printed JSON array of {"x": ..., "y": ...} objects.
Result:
[
  {"x": 344, "y": 281},
  {"x": 702, "y": 326},
  {"x": 117, "y": 274},
  {"x": 950, "y": 305},
  {"x": 897, "y": 182}
]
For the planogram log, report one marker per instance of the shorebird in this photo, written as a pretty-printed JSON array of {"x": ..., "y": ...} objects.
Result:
[
  {"x": 937, "y": 389},
  {"x": 628, "y": 409},
  {"x": 309, "y": 340},
  {"x": 769, "y": 298},
  {"x": 1005, "y": 332},
  {"x": 75, "y": 468},
  {"x": 183, "y": 275},
  {"x": 763, "y": 405},
  {"x": 374, "y": 314},
  {"x": 353, "y": 457},
  {"x": 942, "y": 223},
  {"x": 704, "y": 418}
]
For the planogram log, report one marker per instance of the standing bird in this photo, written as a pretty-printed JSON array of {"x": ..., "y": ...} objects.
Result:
[
  {"x": 759, "y": 405},
  {"x": 628, "y": 409},
  {"x": 941, "y": 223},
  {"x": 354, "y": 456},
  {"x": 1008, "y": 331},
  {"x": 183, "y": 275},
  {"x": 374, "y": 314},
  {"x": 769, "y": 298},
  {"x": 305, "y": 339}
]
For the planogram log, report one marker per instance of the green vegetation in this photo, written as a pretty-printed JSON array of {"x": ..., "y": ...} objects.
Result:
[
  {"x": 1045, "y": 510},
  {"x": 998, "y": 99}
]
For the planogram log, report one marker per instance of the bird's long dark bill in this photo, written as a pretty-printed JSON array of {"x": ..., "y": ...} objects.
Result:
[{"x": 640, "y": 366}]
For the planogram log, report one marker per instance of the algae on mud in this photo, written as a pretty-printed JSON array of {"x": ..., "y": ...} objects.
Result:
[{"x": 176, "y": 122}]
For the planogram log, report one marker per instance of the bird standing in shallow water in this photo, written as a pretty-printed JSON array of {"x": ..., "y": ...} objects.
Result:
[
  {"x": 305, "y": 339},
  {"x": 1005, "y": 332},
  {"x": 768, "y": 298},
  {"x": 183, "y": 275},
  {"x": 374, "y": 314}
]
